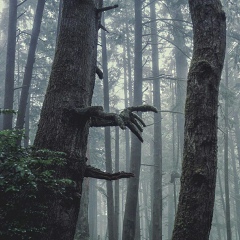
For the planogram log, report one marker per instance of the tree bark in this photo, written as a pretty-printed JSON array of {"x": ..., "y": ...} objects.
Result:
[
  {"x": 196, "y": 200},
  {"x": 71, "y": 83},
  {"x": 10, "y": 64}
]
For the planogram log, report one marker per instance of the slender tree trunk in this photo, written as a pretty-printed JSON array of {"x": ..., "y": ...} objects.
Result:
[
  {"x": 117, "y": 207},
  {"x": 108, "y": 157},
  {"x": 217, "y": 225},
  {"x": 59, "y": 18},
  {"x": 29, "y": 65},
  {"x": 126, "y": 102},
  {"x": 221, "y": 193},
  {"x": 145, "y": 204},
  {"x": 226, "y": 175},
  {"x": 129, "y": 222},
  {"x": 236, "y": 187},
  {"x": 93, "y": 209},
  {"x": 157, "y": 154},
  {"x": 170, "y": 211},
  {"x": 237, "y": 133},
  {"x": 10, "y": 64},
  {"x": 181, "y": 70},
  {"x": 82, "y": 227},
  {"x": 199, "y": 168},
  {"x": 138, "y": 228},
  {"x": 27, "y": 124}
]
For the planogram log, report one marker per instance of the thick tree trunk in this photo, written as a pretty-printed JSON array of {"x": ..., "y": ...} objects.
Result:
[
  {"x": 29, "y": 65},
  {"x": 157, "y": 154},
  {"x": 129, "y": 222},
  {"x": 71, "y": 84},
  {"x": 196, "y": 200},
  {"x": 10, "y": 64}
]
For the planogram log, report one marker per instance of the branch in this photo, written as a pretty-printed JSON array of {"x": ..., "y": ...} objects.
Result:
[
  {"x": 127, "y": 118},
  {"x": 106, "y": 8},
  {"x": 97, "y": 173},
  {"x": 98, "y": 118},
  {"x": 21, "y": 3},
  {"x": 21, "y": 14},
  {"x": 99, "y": 73},
  {"x": 103, "y": 28}
]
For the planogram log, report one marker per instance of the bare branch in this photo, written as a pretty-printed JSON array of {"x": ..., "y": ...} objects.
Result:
[
  {"x": 99, "y": 73},
  {"x": 103, "y": 28},
  {"x": 106, "y": 8},
  {"x": 98, "y": 118},
  {"x": 21, "y": 14},
  {"x": 97, "y": 173},
  {"x": 21, "y": 3}
]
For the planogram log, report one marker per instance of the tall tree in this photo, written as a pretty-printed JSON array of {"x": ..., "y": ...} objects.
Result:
[
  {"x": 129, "y": 222},
  {"x": 116, "y": 197},
  {"x": 198, "y": 180},
  {"x": 10, "y": 64},
  {"x": 67, "y": 113},
  {"x": 157, "y": 155},
  {"x": 107, "y": 133},
  {"x": 29, "y": 65},
  {"x": 226, "y": 174}
]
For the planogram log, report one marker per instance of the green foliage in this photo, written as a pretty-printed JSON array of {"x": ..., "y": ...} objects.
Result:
[{"x": 28, "y": 181}]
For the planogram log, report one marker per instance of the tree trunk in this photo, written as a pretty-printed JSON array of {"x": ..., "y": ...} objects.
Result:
[
  {"x": 129, "y": 222},
  {"x": 27, "y": 124},
  {"x": 117, "y": 200},
  {"x": 226, "y": 175},
  {"x": 82, "y": 227},
  {"x": 10, "y": 64},
  {"x": 157, "y": 154},
  {"x": 181, "y": 69},
  {"x": 71, "y": 83},
  {"x": 236, "y": 187},
  {"x": 93, "y": 209},
  {"x": 29, "y": 66},
  {"x": 237, "y": 133},
  {"x": 108, "y": 156},
  {"x": 196, "y": 200}
]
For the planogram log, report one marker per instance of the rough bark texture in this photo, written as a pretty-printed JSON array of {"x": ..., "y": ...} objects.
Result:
[
  {"x": 196, "y": 200},
  {"x": 71, "y": 83},
  {"x": 10, "y": 64}
]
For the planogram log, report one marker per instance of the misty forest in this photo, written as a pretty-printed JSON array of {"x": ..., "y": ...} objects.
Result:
[{"x": 119, "y": 120}]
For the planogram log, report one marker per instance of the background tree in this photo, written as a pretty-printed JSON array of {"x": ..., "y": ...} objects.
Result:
[
  {"x": 196, "y": 201},
  {"x": 10, "y": 64}
]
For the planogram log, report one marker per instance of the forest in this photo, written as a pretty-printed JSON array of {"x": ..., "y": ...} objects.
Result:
[{"x": 119, "y": 120}]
